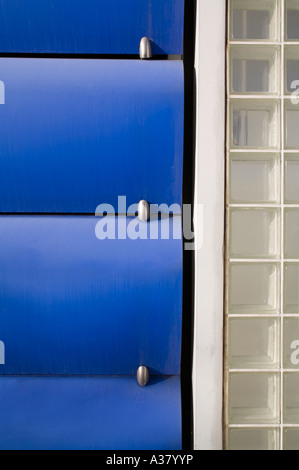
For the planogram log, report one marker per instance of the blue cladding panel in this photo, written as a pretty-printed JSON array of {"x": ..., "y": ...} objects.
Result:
[
  {"x": 89, "y": 413},
  {"x": 78, "y": 133},
  {"x": 73, "y": 304},
  {"x": 91, "y": 26}
]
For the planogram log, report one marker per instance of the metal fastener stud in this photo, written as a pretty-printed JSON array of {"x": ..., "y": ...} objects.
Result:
[
  {"x": 143, "y": 376},
  {"x": 143, "y": 211},
  {"x": 145, "y": 49}
]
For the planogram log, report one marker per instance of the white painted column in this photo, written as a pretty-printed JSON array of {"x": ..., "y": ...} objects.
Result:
[{"x": 210, "y": 189}]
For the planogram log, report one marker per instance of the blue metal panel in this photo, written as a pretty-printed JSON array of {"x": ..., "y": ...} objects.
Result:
[
  {"x": 73, "y": 304},
  {"x": 78, "y": 133},
  {"x": 91, "y": 26},
  {"x": 89, "y": 413}
]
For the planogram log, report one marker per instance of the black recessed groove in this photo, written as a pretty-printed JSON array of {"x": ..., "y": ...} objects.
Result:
[
  {"x": 159, "y": 216},
  {"x": 50, "y": 214},
  {"x": 188, "y": 256},
  {"x": 19, "y": 55}
]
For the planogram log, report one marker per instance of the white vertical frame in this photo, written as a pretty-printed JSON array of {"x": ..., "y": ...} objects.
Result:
[{"x": 210, "y": 194}]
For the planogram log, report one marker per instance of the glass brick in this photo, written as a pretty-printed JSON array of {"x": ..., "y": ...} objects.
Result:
[
  {"x": 254, "y": 398},
  {"x": 253, "y": 343},
  {"x": 254, "y": 288}
]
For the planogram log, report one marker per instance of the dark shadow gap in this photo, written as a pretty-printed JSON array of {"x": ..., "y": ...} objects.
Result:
[
  {"x": 188, "y": 198},
  {"x": 18, "y": 55}
]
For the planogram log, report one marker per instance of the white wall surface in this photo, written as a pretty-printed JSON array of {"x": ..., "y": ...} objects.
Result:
[{"x": 210, "y": 187}]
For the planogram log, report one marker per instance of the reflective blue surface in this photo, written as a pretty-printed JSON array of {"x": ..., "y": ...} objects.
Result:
[
  {"x": 79, "y": 315},
  {"x": 73, "y": 304},
  {"x": 89, "y": 413},
  {"x": 91, "y": 26},
  {"x": 78, "y": 133}
]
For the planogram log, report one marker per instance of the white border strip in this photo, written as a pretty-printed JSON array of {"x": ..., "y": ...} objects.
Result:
[{"x": 209, "y": 192}]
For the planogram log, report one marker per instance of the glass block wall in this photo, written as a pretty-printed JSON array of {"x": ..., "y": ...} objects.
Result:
[{"x": 262, "y": 269}]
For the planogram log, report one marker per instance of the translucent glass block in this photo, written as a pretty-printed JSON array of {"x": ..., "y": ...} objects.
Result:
[
  {"x": 291, "y": 398},
  {"x": 254, "y": 233},
  {"x": 292, "y": 20},
  {"x": 291, "y": 343},
  {"x": 292, "y": 68},
  {"x": 254, "y": 398},
  {"x": 253, "y": 343},
  {"x": 254, "y": 69},
  {"x": 253, "y": 439},
  {"x": 292, "y": 179},
  {"x": 254, "y": 179},
  {"x": 291, "y": 288},
  {"x": 292, "y": 233},
  {"x": 254, "y": 20},
  {"x": 291, "y": 439},
  {"x": 254, "y": 288},
  {"x": 291, "y": 125},
  {"x": 254, "y": 124}
]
